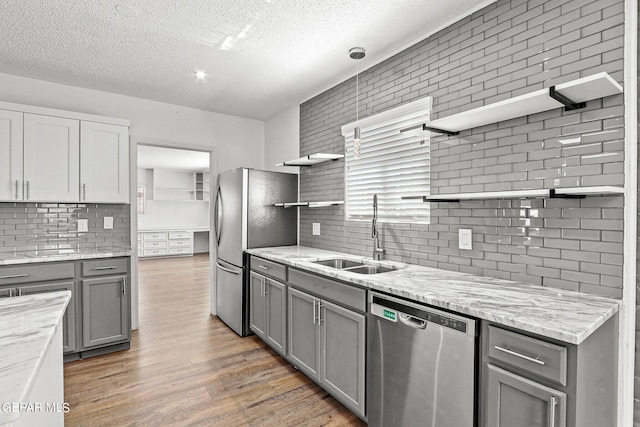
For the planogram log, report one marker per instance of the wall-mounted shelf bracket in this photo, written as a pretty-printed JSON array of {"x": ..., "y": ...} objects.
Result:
[
  {"x": 568, "y": 104},
  {"x": 417, "y": 130}
]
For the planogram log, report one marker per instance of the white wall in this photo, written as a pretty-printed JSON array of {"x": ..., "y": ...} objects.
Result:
[
  {"x": 240, "y": 141},
  {"x": 282, "y": 140}
]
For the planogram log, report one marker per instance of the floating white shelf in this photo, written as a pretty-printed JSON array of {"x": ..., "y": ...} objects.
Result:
[
  {"x": 309, "y": 204},
  {"x": 311, "y": 159},
  {"x": 572, "y": 95},
  {"x": 577, "y": 192}
]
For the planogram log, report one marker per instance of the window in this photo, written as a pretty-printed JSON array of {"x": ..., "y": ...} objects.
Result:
[{"x": 392, "y": 165}]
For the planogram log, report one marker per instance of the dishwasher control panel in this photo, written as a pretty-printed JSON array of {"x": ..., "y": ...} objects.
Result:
[{"x": 391, "y": 310}]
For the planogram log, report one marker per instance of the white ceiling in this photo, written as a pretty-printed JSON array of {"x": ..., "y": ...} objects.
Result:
[
  {"x": 171, "y": 158},
  {"x": 261, "y": 56}
]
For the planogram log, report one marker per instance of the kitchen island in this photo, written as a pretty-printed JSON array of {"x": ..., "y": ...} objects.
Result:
[{"x": 31, "y": 359}]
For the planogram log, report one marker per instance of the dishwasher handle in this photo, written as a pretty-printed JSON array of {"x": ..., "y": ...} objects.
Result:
[{"x": 411, "y": 321}]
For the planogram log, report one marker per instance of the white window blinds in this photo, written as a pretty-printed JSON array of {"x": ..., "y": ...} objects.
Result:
[{"x": 392, "y": 165}]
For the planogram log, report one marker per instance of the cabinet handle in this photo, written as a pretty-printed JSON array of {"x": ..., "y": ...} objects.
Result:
[
  {"x": 84, "y": 192},
  {"x": 17, "y": 184},
  {"x": 27, "y": 191},
  {"x": 124, "y": 286},
  {"x": 111, "y": 267},
  {"x": 520, "y": 355},
  {"x": 266, "y": 290},
  {"x": 10, "y": 293},
  {"x": 263, "y": 267},
  {"x": 14, "y": 276},
  {"x": 314, "y": 312},
  {"x": 19, "y": 292},
  {"x": 552, "y": 411},
  {"x": 320, "y": 319}
]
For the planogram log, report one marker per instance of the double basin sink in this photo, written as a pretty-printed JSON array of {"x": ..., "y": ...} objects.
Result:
[{"x": 358, "y": 267}]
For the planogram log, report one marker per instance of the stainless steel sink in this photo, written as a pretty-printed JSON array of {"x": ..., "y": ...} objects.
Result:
[
  {"x": 370, "y": 269},
  {"x": 339, "y": 263}
]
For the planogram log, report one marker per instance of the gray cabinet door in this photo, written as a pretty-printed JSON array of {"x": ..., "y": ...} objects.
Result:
[
  {"x": 342, "y": 368},
  {"x": 257, "y": 315},
  {"x": 105, "y": 311},
  {"x": 276, "y": 305},
  {"x": 69, "y": 319},
  {"x": 304, "y": 337},
  {"x": 515, "y": 401}
]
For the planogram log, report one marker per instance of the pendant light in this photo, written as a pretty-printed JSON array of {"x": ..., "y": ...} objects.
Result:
[{"x": 357, "y": 53}]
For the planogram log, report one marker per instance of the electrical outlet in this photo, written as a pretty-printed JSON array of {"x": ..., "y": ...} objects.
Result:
[
  {"x": 83, "y": 225},
  {"x": 108, "y": 223},
  {"x": 464, "y": 239},
  {"x": 316, "y": 228}
]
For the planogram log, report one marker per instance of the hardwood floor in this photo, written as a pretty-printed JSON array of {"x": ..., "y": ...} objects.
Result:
[{"x": 185, "y": 367}]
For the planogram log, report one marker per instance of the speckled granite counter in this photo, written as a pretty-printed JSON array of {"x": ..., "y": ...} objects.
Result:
[
  {"x": 28, "y": 257},
  {"x": 564, "y": 315},
  {"x": 28, "y": 328}
]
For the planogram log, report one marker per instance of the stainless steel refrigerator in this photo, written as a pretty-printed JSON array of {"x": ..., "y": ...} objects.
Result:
[{"x": 245, "y": 218}]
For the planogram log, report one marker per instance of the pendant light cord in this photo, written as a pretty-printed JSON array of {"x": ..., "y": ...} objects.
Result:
[{"x": 357, "y": 89}]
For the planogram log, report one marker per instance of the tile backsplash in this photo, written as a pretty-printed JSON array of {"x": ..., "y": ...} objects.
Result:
[
  {"x": 508, "y": 48},
  {"x": 54, "y": 226}
]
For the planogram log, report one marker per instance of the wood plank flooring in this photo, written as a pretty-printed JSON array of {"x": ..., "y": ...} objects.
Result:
[{"x": 185, "y": 367}]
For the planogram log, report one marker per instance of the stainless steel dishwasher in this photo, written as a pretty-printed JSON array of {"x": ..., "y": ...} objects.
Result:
[{"x": 421, "y": 365}]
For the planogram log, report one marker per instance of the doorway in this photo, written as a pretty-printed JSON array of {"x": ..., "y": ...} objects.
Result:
[{"x": 171, "y": 209}]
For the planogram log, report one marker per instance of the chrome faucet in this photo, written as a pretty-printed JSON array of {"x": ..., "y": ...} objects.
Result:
[{"x": 378, "y": 252}]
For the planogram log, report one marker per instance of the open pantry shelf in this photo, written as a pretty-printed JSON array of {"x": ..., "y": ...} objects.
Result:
[
  {"x": 576, "y": 192},
  {"x": 572, "y": 95},
  {"x": 311, "y": 159},
  {"x": 309, "y": 204}
]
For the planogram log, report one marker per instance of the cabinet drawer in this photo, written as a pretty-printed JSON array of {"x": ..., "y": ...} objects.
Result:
[
  {"x": 345, "y": 295},
  {"x": 179, "y": 251},
  {"x": 105, "y": 267},
  {"x": 28, "y": 273},
  {"x": 179, "y": 243},
  {"x": 155, "y": 244},
  {"x": 179, "y": 235},
  {"x": 532, "y": 355},
  {"x": 154, "y": 236},
  {"x": 155, "y": 252},
  {"x": 269, "y": 268}
]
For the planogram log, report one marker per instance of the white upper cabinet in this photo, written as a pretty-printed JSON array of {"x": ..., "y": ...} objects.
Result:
[
  {"x": 10, "y": 155},
  {"x": 51, "y": 159},
  {"x": 104, "y": 163},
  {"x": 59, "y": 156}
]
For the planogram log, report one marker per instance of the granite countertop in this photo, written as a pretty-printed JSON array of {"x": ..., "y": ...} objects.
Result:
[
  {"x": 29, "y": 257},
  {"x": 28, "y": 327},
  {"x": 563, "y": 315}
]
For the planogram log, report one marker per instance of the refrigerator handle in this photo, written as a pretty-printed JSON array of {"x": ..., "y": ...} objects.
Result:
[
  {"x": 237, "y": 273},
  {"x": 217, "y": 216}
]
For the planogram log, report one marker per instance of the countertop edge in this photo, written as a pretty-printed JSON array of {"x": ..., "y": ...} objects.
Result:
[
  {"x": 8, "y": 417},
  {"x": 35, "y": 259}
]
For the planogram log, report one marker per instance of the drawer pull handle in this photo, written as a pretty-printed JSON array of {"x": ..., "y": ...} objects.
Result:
[
  {"x": 552, "y": 411},
  {"x": 263, "y": 267},
  {"x": 520, "y": 355},
  {"x": 111, "y": 267},
  {"x": 15, "y": 276}
]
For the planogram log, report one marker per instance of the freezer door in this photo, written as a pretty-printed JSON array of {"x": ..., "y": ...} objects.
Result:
[
  {"x": 230, "y": 296},
  {"x": 230, "y": 215},
  {"x": 269, "y": 225}
]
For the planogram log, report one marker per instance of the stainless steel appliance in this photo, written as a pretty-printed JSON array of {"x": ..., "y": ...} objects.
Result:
[
  {"x": 245, "y": 217},
  {"x": 421, "y": 365}
]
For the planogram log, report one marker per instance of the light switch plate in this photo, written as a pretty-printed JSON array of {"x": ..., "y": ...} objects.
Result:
[
  {"x": 316, "y": 228},
  {"x": 83, "y": 225},
  {"x": 464, "y": 239},
  {"x": 108, "y": 223}
]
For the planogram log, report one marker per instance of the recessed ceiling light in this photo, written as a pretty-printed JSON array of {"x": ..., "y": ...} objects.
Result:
[
  {"x": 200, "y": 74},
  {"x": 125, "y": 10}
]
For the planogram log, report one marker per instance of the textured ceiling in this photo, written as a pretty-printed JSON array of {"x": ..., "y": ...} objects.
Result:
[{"x": 261, "y": 56}]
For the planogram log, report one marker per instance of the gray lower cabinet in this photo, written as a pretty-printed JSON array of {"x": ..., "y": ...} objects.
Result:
[
  {"x": 515, "y": 401},
  {"x": 105, "y": 311},
  {"x": 69, "y": 319},
  {"x": 327, "y": 342},
  {"x": 268, "y": 311},
  {"x": 530, "y": 380}
]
